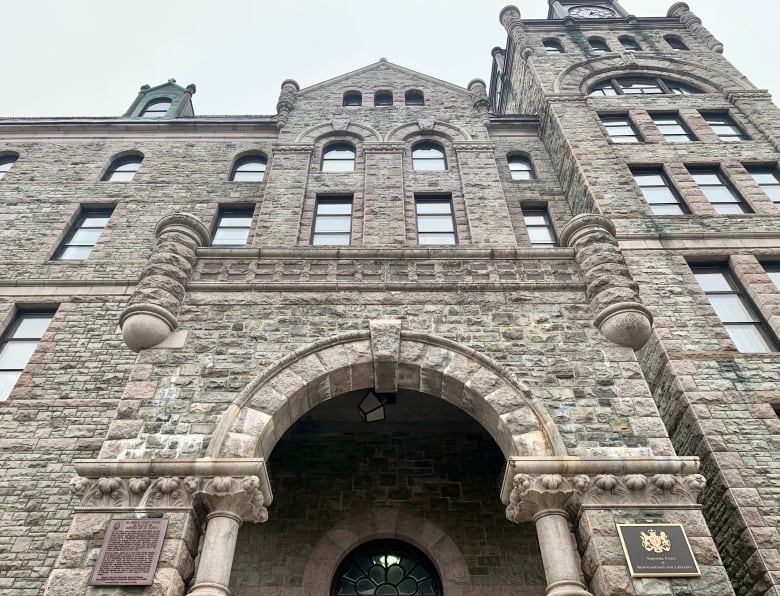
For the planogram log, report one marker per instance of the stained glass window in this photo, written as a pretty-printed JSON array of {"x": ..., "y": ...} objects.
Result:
[{"x": 386, "y": 568}]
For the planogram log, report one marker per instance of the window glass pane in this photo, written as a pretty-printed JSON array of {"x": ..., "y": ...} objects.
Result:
[
  {"x": 730, "y": 308},
  {"x": 8, "y": 379},
  {"x": 704, "y": 178},
  {"x": 327, "y": 208},
  {"x": 127, "y": 166},
  {"x": 435, "y": 223},
  {"x": 729, "y": 208},
  {"x": 331, "y": 239},
  {"x": 338, "y": 165},
  {"x": 426, "y": 207},
  {"x": 85, "y": 237},
  {"x": 339, "y": 154},
  {"x": 646, "y": 179},
  {"x": 429, "y": 164},
  {"x": 540, "y": 236},
  {"x": 332, "y": 224},
  {"x": 521, "y": 175},
  {"x": 232, "y": 236},
  {"x": 32, "y": 327},
  {"x": 95, "y": 221},
  {"x": 16, "y": 354},
  {"x": 749, "y": 338},
  {"x": 248, "y": 176},
  {"x": 436, "y": 238},
  {"x": 720, "y": 194},
  {"x": 534, "y": 220},
  {"x": 119, "y": 176},
  {"x": 774, "y": 275},
  {"x": 74, "y": 253},
  {"x": 428, "y": 153},
  {"x": 229, "y": 221},
  {"x": 713, "y": 282},
  {"x": 667, "y": 210},
  {"x": 773, "y": 192},
  {"x": 655, "y": 195},
  {"x": 764, "y": 177}
]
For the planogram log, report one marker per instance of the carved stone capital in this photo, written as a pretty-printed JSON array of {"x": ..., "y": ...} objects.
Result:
[
  {"x": 532, "y": 495},
  {"x": 240, "y": 498}
]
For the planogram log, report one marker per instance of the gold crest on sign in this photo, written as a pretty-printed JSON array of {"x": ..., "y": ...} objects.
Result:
[{"x": 656, "y": 543}]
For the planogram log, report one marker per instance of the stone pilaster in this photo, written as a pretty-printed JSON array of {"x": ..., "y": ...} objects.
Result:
[
  {"x": 683, "y": 12},
  {"x": 152, "y": 309},
  {"x": 612, "y": 292}
]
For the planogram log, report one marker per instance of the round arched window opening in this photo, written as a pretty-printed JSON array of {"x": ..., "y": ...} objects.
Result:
[{"x": 386, "y": 568}]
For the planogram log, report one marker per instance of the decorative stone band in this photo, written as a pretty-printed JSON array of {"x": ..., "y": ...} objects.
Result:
[
  {"x": 152, "y": 309},
  {"x": 683, "y": 12},
  {"x": 235, "y": 487},
  {"x": 287, "y": 98},
  {"x": 613, "y": 294},
  {"x": 473, "y": 146},
  {"x": 383, "y": 147},
  {"x": 534, "y": 485}
]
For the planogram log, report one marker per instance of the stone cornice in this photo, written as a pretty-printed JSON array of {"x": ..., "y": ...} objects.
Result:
[{"x": 474, "y": 146}]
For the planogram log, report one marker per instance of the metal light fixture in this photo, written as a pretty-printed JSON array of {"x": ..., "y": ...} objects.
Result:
[{"x": 372, "y": 407}]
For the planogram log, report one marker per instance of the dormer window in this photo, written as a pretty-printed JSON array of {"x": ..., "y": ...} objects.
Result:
[
  {"x": 383, "y": 98},
  {"x": 414, "y": 97},
  {"x": 250, "y": 168},
  {"x": 553, "y": 46},
  {"x": 352, "y": 99},
  {"x": 156, "y": 108}
]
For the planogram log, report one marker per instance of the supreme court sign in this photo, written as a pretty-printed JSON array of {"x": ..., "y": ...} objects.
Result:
[
  {"x": 130, "y": 552},
  {"x": 657, "y": 550}
]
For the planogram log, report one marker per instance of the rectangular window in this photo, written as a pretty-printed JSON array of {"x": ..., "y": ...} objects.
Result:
[
  {"x": 17, "y": 346},
  {"x": 723, "y": 126},
  {"x": 232, "y": 227},
  {"x": 734, "y": 309},
  {"x": 719, "y": 193},
  {"x": 434, "y": 220},
  {"x": 768, "y": 178},
  {"x": 332, "y": 221},
  {"x": 619, "y": 128},
  {"x": 672, "y": 128},
  {"x": 81, "y": 239},
  {"x": 540, "y": 229},
  {"x": 659, "y": 193}
]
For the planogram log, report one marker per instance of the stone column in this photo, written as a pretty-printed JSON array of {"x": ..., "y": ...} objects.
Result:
[
  {"x": 230, "y": 502},
  {"x": 542, "y": 500},
  {"x": 152, "y": 309}
]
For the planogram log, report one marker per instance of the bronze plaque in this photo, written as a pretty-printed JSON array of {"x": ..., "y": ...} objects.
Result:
[
  {"x": 657, "y": 550},
  {"x": 130, "y": 552}
]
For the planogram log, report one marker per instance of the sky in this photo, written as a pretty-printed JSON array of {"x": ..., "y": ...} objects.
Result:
[{"x": 89, "y": 57}]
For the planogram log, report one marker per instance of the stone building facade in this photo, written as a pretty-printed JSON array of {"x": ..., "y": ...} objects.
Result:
[{"x": 457, "y": 332}]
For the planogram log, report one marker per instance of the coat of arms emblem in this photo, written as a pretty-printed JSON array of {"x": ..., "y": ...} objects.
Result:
[{"x": 656, "y": 543}]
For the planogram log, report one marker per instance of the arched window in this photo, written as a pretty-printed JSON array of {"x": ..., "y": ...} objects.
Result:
[
  {"x": 630, "y": 44},
  {"x": 383, "y": 98},
  {"x": 598, "y": 46},
  {"x": 156, "y": 108},
  {"x": 386, "y": 567},
  {"x": 641, "y": 86},
  {"x": 414, "y": 97},
  {"x": 352, "y": 99},
  {"x": 675, "y": 43},
  {"x": 250, "y": 168},
  {"x": 338, "y": 157},
  {"x": 123, "y": 169},
  {"x": 6, "y": 161},
  {"x": 520, "y": 167},
  {"x": 553, "y": 46},
  {"x": 428, "y": 156}
]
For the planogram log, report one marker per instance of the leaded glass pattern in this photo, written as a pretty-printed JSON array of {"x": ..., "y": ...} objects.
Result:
[{"x": 386, "y": 568}]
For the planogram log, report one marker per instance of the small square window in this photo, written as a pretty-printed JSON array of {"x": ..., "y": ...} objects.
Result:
[
  {"x": 17, "y": 346},
  {"x": 233, "y": 227},
  {"x": 434, "y": 220},
  {"x": 539, "y": 226},
  {"x": 332, "y": 221},
  {"x": 83, "y": 236}
]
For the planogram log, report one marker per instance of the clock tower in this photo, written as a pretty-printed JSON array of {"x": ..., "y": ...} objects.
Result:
[{"x": 586, "y": 9}]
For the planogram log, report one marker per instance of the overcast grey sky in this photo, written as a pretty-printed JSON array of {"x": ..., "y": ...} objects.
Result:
[{"x": 89, "y": 57}]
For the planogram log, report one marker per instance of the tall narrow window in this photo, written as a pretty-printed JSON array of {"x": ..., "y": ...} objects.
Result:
[
  {"x": 734, "y": 309},
  {"x": 156, "y": 108},
  {"x": 672, "y": 128},
  {"x": 719, "y": 193},
  {"x": 6, "y": 161},
  {"x": 598, "y": 46},
  {"x": 659, "y": 193},
  {"x": 520, "y": 167},
  {"x": 723, "y": 126},
  {"x": 539, "y": 226},
  {"x": 630, "y": 44},
  {"x": 434, "y": 220},
  {"x": 768, "y": 178},
  {"x": 352, "y": 99},
  {"x": 414, "y": 97},
  {"x": 675, "y": 43},
  {"x": 383, "y": 98},
  {"x": 17, "y": 346},
  {"x": 232, "y": 227},
  {"x": 83, "y": 236},
  {"x": 250, "y": 168},
  {"x": 619, "y": 128},
  {"x": 428, "y": 156},
  {"x": 332, "y": 221},
  {"x": 123, "y": 169},
  {"x": 338, "y": 157},
  {"x": 553, "y": 46}
]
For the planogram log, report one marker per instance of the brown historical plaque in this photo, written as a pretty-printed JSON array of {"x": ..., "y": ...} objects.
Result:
[
  {"x": 130, "y": 552},
  {"x": 657, "y": 550}
]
